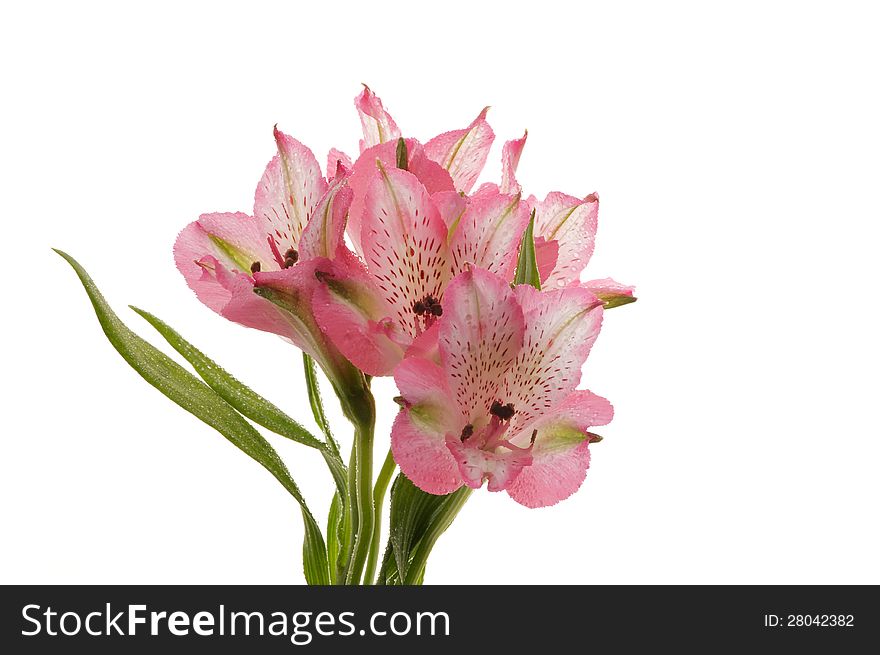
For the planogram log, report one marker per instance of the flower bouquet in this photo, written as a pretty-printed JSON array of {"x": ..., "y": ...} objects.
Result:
[{"x": 393, "y": 265}]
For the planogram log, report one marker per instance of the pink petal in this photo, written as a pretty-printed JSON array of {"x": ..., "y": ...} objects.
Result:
[
  {"x": 610, "y": 292},
  {"x": 353, "y": 313},
  {"x": 218, "y": 244},
  {"x": 338, "y": 164},
  {"x": 572, "y": 223},
  {"x": 378, "y": 125},
  {"x": 433, "y": 176},
  {"x": 451, "y": 206},
  {"x": 546, "y": 255},
  {"x": 480, "y": 336},
  {"x": 211, "y": 254},
  {"x": 561, "y": 454},
  {"x": 489, "y": 233},
  {"x": 326, "y": 228},
  {"x": 423, "y": 457},
  {"x": 425, "y": 390},
  {"x": 510, "y": 155},
  {"x": 500, "y": 467},
  {"x": 296, "y": 287},
  {"x": 404, "y": 241},
  {"x": 426, "y": 345},
  {"x": 288, "y": 192},
  {"x": 463, "y": 152},
  {"x": 561, "y": 326}
]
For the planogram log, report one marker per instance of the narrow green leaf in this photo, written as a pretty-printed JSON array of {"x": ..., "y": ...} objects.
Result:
[
  {"x": 414, "y": 514},
  {"x": 402, "y": 156},
  {"x": 316, "y": 403},
  {"x": 334, "y": 536},
  {"x": 244, "y": 399},
  {"x": 527, "y": 263},
  {"x": 201, "y": 401}
]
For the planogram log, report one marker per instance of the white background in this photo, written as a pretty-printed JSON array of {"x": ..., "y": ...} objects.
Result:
[{"x": 736, "y": 153}]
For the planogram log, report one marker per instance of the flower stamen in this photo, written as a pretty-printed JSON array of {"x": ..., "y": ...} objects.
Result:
[{"x": 502, "y": 411}]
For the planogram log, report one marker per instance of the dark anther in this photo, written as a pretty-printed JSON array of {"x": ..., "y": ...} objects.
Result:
[
  {"x": 467, "y": 431},
  {"x": 291, "y": 257},
  {"x": 503, "y": 412},
  {"x": 255, "y": 267},
  {"x": 428, "y": 305},
  {"x": 534, "y": 436}
]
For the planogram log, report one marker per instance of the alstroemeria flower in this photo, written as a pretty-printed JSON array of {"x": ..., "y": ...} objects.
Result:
[
  {"x": 494, "y": 399},
  {"x": 565, "y": 227},
  {"x": 414, "y": 230},
  {"x": 223, "y": 256}
]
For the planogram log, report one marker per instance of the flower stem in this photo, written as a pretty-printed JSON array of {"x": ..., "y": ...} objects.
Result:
[
  {"x": 378, "y": 498},
  {"x": 361, "y": 486},
  {"x": 439, "y": 522}
]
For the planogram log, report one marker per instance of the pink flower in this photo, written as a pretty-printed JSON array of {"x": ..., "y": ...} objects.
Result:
[
  {"x": 565, "y": 225},
  {"x": 223, "y": 256},
  {"x": 414, "y": 230},
  {"x": 490, "y": 393}
]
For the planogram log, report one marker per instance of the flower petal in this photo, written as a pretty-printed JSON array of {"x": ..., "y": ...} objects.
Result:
[
  {"x": 610, "y": 292},
  {"x": 451, "y": 206},
  {"x": 561, "y": 455},
  {"x": 433, "y": 176},
  {"x": 546, "y": 255},
  {"x": 480, "y": 336},
  {"x": 215, "y": 255},
  {"x": 404, "y": 242},
  {"x": 425, "y": 390},
  {"x": 500, "y": 468},
  {"x": 378, "y": 125},
  {"x": 288, "y": 192},
  {"x": 572, "y": 223},
  {"x": 338, "y": 164},
  {"x": 510, "y": 154},
  {"x": 561, "y": 326},
  {"x": 463, "y": 152},
  {"x": 325, "y": 230},
  {"x": 353, "y": 313},
  {"x": 489, "y": 233},
  {"x": 423, "y": 457}
]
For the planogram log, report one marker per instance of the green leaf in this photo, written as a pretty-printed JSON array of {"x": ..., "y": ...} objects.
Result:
[
  {"x": 316, "y": 403},
  {"x": 201, "y": 401},
  {"x": 334, "y": 536},
  {"x": 527, "y": 263},
  {"x": 244, "y": 399},
  {"x": 415, "y": 517}
]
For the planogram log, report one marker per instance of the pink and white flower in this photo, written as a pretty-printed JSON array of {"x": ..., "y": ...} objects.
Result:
[
  {"x": 298, "y": 218},
  {"x": 491, "y": 394}
]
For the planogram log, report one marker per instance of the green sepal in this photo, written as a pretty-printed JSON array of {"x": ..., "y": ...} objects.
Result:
[{"x": 527, "y": 262}]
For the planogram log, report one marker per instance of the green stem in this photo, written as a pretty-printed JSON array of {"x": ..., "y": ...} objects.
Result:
[
  {"x": 378, "y": 498},
  {"x": 363, "y": 489},
  {"x": 349, "y": 518},
  {"x": 439, "y": 522}
]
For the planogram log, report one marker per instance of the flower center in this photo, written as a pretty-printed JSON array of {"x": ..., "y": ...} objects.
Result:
[
  {"x": 428, "y": 306},
  {"x": 291, "y": 256},
  {"x": 502, "y": 411}
]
